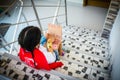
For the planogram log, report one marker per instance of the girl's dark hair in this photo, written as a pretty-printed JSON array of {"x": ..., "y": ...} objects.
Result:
[{"x": 29, "y": 37}]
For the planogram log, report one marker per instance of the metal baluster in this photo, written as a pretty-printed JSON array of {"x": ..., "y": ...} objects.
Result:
[{"x": 36, "y": 14}]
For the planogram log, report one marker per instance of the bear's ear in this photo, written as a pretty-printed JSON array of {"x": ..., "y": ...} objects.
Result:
[
  {"x": 48, "y": 36},
  {"x": 55, "y": 30}
]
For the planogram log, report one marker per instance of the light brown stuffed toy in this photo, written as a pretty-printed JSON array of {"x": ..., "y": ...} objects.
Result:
[{"x": 54, "y": 38}]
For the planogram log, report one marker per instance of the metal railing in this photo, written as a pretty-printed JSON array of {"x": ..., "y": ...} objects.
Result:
[
  {"x": 16, "y": 27},
  {"x": 37, "y": 19}
]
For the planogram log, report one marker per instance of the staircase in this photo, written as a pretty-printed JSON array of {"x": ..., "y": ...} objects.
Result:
[
  {"x": 86, "y": 58},
  {"x": 86, "y": 54}
]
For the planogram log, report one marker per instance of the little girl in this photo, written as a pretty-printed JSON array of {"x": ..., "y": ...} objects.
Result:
[
  {"x": 52, "y": 40},
  {"x": 52, "y": 44},
  {"x": 34, "y": 54}
]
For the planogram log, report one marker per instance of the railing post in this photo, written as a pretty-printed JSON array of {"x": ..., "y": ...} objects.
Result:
[
  {"x": 25, "y": 18},
  {"x": 16, "y": 27},
  {"x": 56, "y": 12},
  {"x": 36, "y": 14},
  {"x": 66, "y": 12}
]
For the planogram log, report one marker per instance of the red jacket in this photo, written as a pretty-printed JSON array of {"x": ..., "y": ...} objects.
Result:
[{"x": 39, "y": 58}]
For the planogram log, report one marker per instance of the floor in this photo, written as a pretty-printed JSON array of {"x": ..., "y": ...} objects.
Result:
[{"x": 89, "y": 16}]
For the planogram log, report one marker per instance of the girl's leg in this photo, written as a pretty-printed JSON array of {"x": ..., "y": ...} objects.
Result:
[
  {"x": 61, "y": 53},
  {"x": 57, "y": 54}
]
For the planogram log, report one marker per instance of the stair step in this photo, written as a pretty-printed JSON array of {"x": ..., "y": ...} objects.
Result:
[
  {"x": 86, "y": 41},
  {"x": 80, "y": 29},
  {"x": 75, "y": 70},
  {"x": 90, "y": 36},
  {"x": 87, "y": 60},
  {"x": 79, "y": 71},
  {"x": 85, "y": 49},
  {"x": 17, "y": 70},
  {"x": 97, "y": 75}
]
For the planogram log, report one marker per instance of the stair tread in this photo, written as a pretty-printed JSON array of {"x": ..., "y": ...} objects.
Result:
[
  {"x": 94, "y": 62},
  {"x": 90, "y": 36},
  {"x": 87, "y": 40},
  {"x": 17, "y": 70},
  {"x": 78, "y": 71},
  {"x": 90, "y": 50}
]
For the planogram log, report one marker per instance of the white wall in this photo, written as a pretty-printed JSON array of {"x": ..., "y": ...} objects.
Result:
[
  {"x": 115, "y": 48},
  {"x": 76, "y": 1}
]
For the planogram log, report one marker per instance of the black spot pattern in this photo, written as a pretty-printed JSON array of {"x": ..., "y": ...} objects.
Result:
[
  {"x": 26, "y": 77},
  {"x": 47, "y": 76},
  {"x": 15, "y": 76}
]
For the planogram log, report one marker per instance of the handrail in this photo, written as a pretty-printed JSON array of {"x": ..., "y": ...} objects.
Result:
[
  {"x": 35, "y": 6},
  {"x": 30, "y": 21},
  {"x": 66, "y": 12},
  {"x": 8, "y": 44},
  {"x": 16, "y": 28}
]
